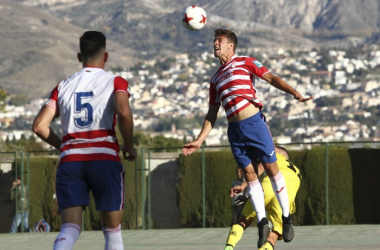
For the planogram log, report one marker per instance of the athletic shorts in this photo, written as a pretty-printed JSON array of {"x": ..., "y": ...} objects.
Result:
[
  {"x": 105, "y": 179},
  {"x": 251, "y": 140}
]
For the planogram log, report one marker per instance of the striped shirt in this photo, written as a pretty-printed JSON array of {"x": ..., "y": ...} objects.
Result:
[
  {"x": 84, "y": 102},
  {"x": 233, "y": 85}
]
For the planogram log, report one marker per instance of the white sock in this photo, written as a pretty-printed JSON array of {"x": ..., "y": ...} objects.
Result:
[
  {"x": 256, "y": 193},
  {"x": 113, "y": 238},
  {"x": 279, "y": 188},
  {"x": 67, "y": 237}
]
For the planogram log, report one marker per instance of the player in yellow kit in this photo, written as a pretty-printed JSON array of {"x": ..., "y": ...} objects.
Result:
[{"x": 274, "y": 212}]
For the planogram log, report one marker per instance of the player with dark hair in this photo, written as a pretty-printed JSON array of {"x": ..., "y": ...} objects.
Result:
[
  {"x": 89, "y": 104},
  {"x": 293, "y": 180},
  {"x": 239, "y": 198},
  {"x": 233, "y": 87}
]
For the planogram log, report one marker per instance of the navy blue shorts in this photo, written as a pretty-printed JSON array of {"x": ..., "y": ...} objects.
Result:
[
  {"x": 251, "y": 140},
  {"x": 104, "y": 178}
]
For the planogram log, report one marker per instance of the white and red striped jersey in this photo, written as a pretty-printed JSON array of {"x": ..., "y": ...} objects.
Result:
[
  {"x": 84, "y": 102},
  {"x": 233, "y": 85}
]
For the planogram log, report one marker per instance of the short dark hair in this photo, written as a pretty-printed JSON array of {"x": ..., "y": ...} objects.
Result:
[
  {"x": 231, "y": 36},
  {"x": 91, "y": 42},
  {"x": 284, "y": 150}
]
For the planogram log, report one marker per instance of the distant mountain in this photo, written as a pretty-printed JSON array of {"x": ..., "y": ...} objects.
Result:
[
  {"x": 155, "y": 25},
  {"x": 38, "y": 50},
  {"x": 39, "y": 38}
]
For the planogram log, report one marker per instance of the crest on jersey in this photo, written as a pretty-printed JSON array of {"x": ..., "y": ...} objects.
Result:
[{"x": 257, "y": 63}]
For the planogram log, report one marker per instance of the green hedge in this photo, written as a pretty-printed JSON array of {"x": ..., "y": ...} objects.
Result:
[
  {"x": 42, "y": 204},
  {"x": 310, "y": 200},
  {"x": 41, "y": 191},
  {"x": 340, "y": 187},
  {"x": 353, "y": 188},
  {"x": 219, "y": 173}
]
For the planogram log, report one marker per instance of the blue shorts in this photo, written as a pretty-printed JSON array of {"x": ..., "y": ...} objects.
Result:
[
  {"x": 251, "y": 140},
  {"x": 76, "y": 178}
]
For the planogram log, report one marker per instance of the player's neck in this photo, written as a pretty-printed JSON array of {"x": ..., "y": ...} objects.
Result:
[
  {"x": 93, "y": 65},
  {"x": 226, "y": 58}
]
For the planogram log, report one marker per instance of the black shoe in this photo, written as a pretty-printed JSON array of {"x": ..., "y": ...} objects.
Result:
[
  {"x": 264, "y": 230},
  {"x": 287, "y": 228}
]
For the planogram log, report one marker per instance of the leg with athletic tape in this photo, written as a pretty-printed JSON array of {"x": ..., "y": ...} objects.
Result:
[
  {"x": 67, "y": 237},
  {"x": 256, "y": 194},
  {"x": 71, "y": 219},
  {"x": 112, "y": 229},
  {"x": 114, "y": 240}
]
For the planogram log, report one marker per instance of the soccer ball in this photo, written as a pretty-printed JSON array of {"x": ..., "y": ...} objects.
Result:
[{"x": 194, "y": 17}]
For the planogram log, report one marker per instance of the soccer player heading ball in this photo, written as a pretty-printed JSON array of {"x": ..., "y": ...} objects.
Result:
[{"x": 233, "y": 87}]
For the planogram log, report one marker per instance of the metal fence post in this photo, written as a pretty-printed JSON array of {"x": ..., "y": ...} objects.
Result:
[
  {"x": 22, "y": 190},
  {"x": 142, "y": 189},
  {"x": 203, "y": 189},
  {"x": 136, "y": 193},
  {"x": 28, "y": 181},
  {"x": 16, "y": 191},
  {"x": 149, "y": 194},
  {"x": 327, "y": 185}
]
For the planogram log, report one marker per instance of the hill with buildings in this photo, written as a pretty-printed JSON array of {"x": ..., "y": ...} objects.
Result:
[
  {"x": 39, "y": 43},
  {"x": 39, "y": 37}
]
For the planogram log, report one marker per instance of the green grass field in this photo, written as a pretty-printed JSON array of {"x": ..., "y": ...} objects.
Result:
[{"x": 344, "y": 237}]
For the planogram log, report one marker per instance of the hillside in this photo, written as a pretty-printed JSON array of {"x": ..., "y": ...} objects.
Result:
[
  {"x": 38, "y": 50},
  {"x": 154, "y": 25},
  {"x": 39, "y": 38}
]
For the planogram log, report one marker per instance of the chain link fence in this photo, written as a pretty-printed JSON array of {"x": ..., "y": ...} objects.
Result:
[
  {"x": 162, "y": 179},
  {"x": 157, "y": 180},
  {"x": 10, "y": 169}
]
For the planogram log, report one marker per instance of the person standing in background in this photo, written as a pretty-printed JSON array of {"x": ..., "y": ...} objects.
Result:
[{"x": 19, "y": 194}]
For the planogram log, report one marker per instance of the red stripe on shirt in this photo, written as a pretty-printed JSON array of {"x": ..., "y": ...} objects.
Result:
[
  {"x": 88, "y": 135},
  {"x": 101, "y": 144}
]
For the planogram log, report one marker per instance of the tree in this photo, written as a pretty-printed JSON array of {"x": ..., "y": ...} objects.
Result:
[
  {"x": 3, "y": 95},
  {"x": 19, "y": 99}
]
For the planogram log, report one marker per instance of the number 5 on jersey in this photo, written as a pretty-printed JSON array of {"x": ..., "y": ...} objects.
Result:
[{"x": 80, "y": 105}]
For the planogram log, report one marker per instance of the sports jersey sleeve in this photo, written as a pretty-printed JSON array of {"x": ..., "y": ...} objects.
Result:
[
  {"x": 53, "y": 100},
  {"x": 214, "y": 98},
  {"x": 255, "y": 67},
  {"x": 121, "y": 85}
]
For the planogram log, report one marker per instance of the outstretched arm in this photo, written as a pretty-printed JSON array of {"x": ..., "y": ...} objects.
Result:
[
  {"x": 280, "y": 84},
  {"x": 208, "y": 124}
]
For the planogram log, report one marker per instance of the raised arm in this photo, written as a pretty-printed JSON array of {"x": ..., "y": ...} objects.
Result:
[{"x": 280, "y": 84}]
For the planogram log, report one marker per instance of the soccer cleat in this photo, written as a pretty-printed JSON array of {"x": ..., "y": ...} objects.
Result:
[
  {"x": 267, "y": 246},
  {"x": 287, "y": 228},
  {"x": 264, "y": 230},
  {"x": 229, "y": 248}
]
